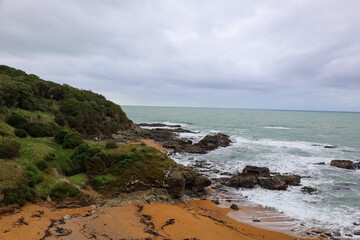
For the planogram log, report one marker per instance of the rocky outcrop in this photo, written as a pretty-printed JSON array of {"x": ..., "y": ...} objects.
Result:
[
  {"x": 186, "y": 181},
  {"x": 347, "y": 164},
  {"x": 252, "y": 175},
  {"x": 272, "y": 183},
  {"x": 168, "y": 138}
]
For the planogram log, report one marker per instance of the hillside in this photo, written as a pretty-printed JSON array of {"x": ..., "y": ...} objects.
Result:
[
  {"x": 47, "y": 152},
  {"x": 83, "y": 111}
]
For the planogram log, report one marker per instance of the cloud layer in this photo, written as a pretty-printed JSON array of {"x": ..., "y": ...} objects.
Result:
[{"x": 248, "y": 54}]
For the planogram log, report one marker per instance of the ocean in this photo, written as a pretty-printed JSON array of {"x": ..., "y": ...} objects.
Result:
[{"x": 285, "y": 142}]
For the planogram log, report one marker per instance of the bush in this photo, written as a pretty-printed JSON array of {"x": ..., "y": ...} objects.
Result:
[
  {"x": 111, "y": 144},
  {"x": 20, "y": 133},
  {"x": 33, "y": 175},
  {"x": 99, "y": 181},
  {"x": 59, "y": 135},
  {"x": 17, "y": 121},
  {"x": 72, "y": 140},
  {"x": 9, "y": 148},
  {"x": 41, "y": 165},
  {"x": 63, "y": 190},
  {"x": 39, "y": 129},
  {"x": 50, "y": 157}
]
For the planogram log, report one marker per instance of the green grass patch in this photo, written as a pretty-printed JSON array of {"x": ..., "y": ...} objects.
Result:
[
  {"x": 79, "y": 179},
  {"x": 6, "y": 130}
]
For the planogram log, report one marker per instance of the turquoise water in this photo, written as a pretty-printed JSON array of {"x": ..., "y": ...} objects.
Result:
[{"x": 286, "y": 142}]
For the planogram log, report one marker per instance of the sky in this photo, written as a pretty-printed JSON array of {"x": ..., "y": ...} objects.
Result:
[{"x": 270, "y": 54}]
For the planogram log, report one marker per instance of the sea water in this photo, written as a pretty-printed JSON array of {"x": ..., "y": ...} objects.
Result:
[{"x": 286, "y": 142}]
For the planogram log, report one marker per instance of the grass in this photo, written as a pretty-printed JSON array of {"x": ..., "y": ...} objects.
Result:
[
  {"x": 6, "y": 130},
  {"x": 79, "y": 179},
  {"x": 37, "y": 116}
]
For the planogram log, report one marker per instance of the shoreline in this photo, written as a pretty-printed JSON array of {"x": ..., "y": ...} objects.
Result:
[{"x": 196, "y": 219}]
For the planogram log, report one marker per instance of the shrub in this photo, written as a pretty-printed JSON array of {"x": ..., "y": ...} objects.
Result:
[
  {"x": 50, "y": 157},
  {"x": 41, "y": 165},
  {"x": 33, "y": 175},
  {"x": 9, "y": 148},
  {"x": 102, "y": 180},
  {"x": 72, "y": 140},
  {"x": 59, "y": 135},
  {"x": 111, "y": 144},
  {"x": 95, "y": 166},
  {"x": 17, "y": 121},
  {"x": 20, "y": 133},
  {"x": 63, "y": 190},
  {"x": 39, "y": 129}
]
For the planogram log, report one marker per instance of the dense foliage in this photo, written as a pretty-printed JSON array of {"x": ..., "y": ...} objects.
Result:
[
  {"x": 84, "y": 111},
  {"x": 9, "y": 148}
]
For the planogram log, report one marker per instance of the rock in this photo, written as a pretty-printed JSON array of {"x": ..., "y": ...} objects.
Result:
[
  {"x": 272, "y": 183},
  {"x": 320, "y": 163},
  {"x": 308, "y": 190},
  {"x": 210, "y": 142},
  {"x": 216, "y": 201},
  {"x": 290, "y": 179},
  {"x": 329, "y": 146},
  {"x": 256, "y": 171},
  {"x": 347, "y": 164},
  {"x": 187, "y": 181},
  {"x": 157, "y": 125},
  {"x": 240, "y": 181},
  {"x": 234, "y": 207},
  {"x": 67, "y": 217},
  {"x": 256, "y": 220}
]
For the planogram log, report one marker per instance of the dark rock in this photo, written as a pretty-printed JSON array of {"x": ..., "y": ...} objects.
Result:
[
  {"x": 271, "y": 183},
  {"x": 256, "y": 171},
  {"x": 157, "y": 125},
  {"x": 216, "y": 201},
  {"x": 210, "y": 142},
  {"x": 320, "y": 163},
  {"x": 234, "y": 207},
  {"x": 290, "y": 179},
  {"x": 347, "y": 164},
  {"x": 308, "y": 190},
  {"x": 329, "y": 146},
  {"x": 240, "y": 181},
  {"x": 187, "y": 181},
  {"x": 256, "y": 220}
]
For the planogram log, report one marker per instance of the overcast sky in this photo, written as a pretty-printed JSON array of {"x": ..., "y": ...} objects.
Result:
[{"x": 287, "y": 54}]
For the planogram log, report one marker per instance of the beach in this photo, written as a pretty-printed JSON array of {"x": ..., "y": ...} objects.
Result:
[{"x": 196, "y": 219}]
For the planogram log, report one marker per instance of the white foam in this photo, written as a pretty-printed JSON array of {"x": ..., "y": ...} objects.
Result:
[{"x": 277, "y": 127}]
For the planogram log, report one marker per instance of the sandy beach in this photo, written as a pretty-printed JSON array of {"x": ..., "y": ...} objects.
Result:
[{"x": 197, "y": 219}]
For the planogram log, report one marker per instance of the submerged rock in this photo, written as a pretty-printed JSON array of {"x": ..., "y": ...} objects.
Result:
[
  {"x": 308, "y": 190},
  {"x": 347, "y": 164}
]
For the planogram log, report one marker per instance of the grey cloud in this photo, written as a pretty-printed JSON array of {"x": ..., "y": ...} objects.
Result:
[{"x": 158, "y": 53}]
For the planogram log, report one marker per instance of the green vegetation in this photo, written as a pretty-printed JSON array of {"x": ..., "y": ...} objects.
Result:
[
  {"x": 111, "y": 144},
  {"x": 20, "y": 133},
  {"x": 72, "y": 140},
  {"x": 43, "y": 127},
  {"x": 35, "y": 101},
  {"x": 9, "y": 148}
]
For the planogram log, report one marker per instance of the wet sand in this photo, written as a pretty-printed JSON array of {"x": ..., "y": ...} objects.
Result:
[{"x": 197, "y": 219}]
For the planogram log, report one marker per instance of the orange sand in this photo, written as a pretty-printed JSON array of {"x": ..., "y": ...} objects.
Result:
[{"x": 193, "y": 220}]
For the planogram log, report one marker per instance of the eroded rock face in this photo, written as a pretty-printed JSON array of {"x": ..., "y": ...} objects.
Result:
[
  {"x": 347, "y": 164},
  {"x": 290, "y": 179},
  {"x": 187, "y": 181},
  {"x": 239, "y": 181}
]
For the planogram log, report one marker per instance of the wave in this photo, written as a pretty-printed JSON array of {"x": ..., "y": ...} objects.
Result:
[{"x": 277, "y": 127}]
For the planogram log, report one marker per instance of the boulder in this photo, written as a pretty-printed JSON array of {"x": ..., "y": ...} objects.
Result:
[
  {"x": 234, "y": 207},
  {"x": 210, "y": 142},
  {"x": 240, "y": 181},
  {"x": 256, "y": 171},
  {"x": 187, "y": 181},
  {"x": 272, "y": 183},
  {"x": 347, "y": 164},
  {"x": 290, "y": 179}
]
